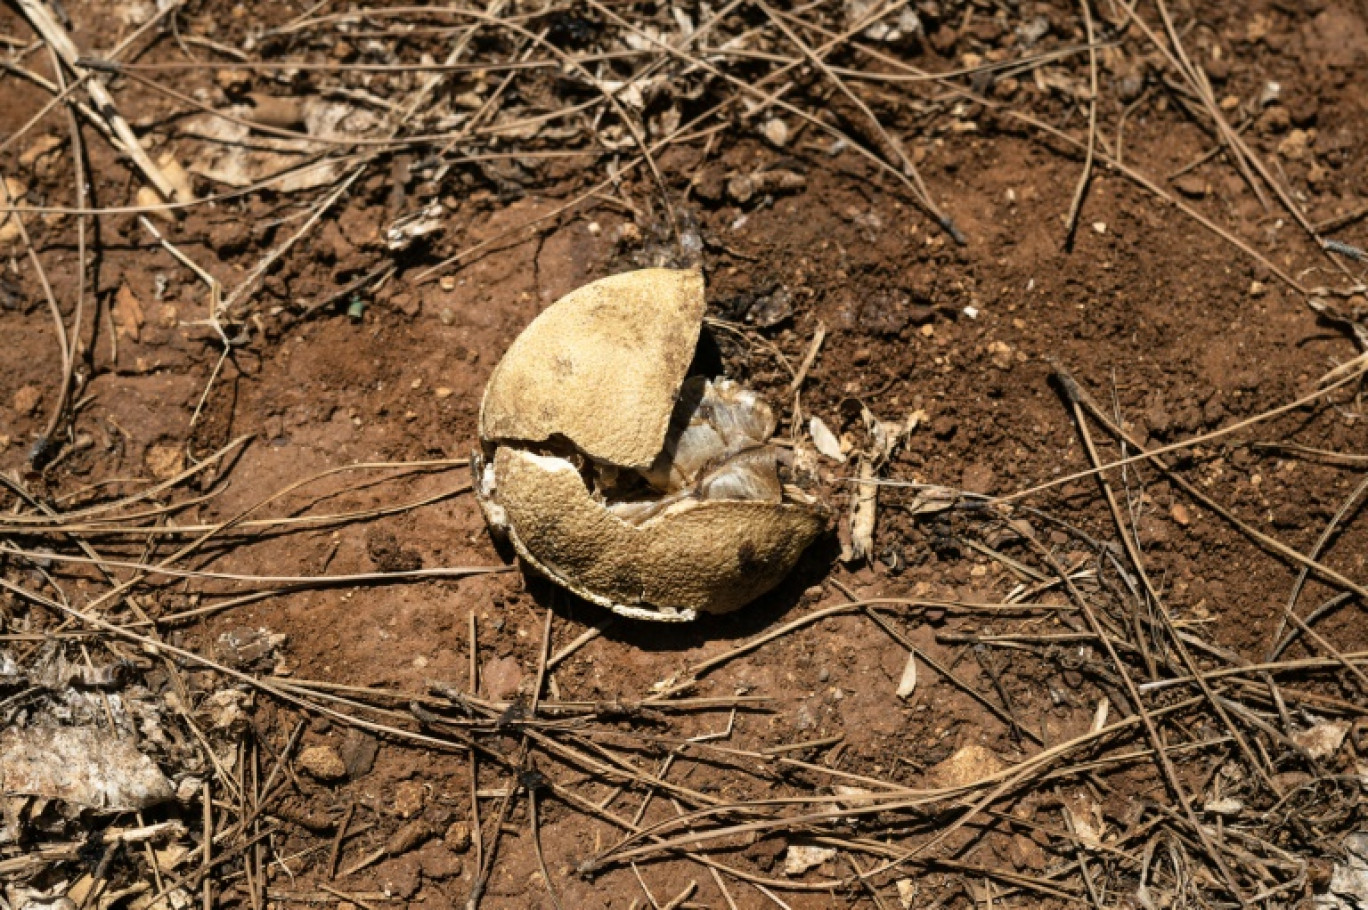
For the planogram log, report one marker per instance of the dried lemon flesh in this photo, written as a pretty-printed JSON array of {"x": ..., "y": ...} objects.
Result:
[{"x": 653, "y": 494}]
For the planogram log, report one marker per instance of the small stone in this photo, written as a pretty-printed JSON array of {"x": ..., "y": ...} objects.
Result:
[
  {"x": 233, "y": 81},
  {"x": 1000, "y": 353},
  {"x": 448, "y": 316},
  {"x": 1180, "y": 514},
  {"x": 442, "y": 393},
  {"x": 457, "y": 837},
  {"x": 408, "y": 836},
  {"x": 1100, "y": 227},
  {"x": 26, "y": 400},
  {"x": 741, "y": 188},
  {"x": 1295, "y": 146},
  {"x": 1191, "y": 186},
  {"x": 1257, "y": 289},
  {"x": 409, "y": 799},
  {"x": 776, "y": 131},
  {"x": 1228, "y": 806},
  {"x": 322, "y": 763},
  {"x": 164, "y": 461},
  {"x": 943, "y": 40}
]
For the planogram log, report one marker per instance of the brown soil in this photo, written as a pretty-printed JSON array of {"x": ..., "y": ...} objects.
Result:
[{"x": 1176, "y": 330}]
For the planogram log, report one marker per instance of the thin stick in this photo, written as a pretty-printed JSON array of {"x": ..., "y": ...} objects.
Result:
[
  {"x": 808, "y": 359},
  {"x": 1156, "y": 741},
  {"x": 207, "y": 846},
  {"x": 472, "y": 758},
  {"x": 537, "y": 846},
  {"x": 1071, "y": 225},
  {"x": 1184, "y": 443},
  {"x": 922, "y": 195},
  {"x": 1183, "y": 653},
  {"x": 542, "y": 656},
  {"x": 1324, "y": 572},
  {"x": 1291, "y": 607},
  {"x": 336, "y": 852},
  {"x": 580, "y": 641},
  {"x": 58, "y": 39}
]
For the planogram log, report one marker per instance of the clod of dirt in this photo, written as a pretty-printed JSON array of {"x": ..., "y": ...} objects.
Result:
[
  {"x": 80, "y": 765},
  {"x": 969, "y": 764},
  {"x": 26, "y": 400},
  {"x": 614, "y": 476},
  {"x": 438, "y": 862},
  {"x": 389, "y": 555},
  {"x": 409, "y": 799},
  {"x": 501, "y": 677},
  {"x": 408, "y": 836},
  {"x": 322, "y": 763},
  {"x": 457, "y": 837}
]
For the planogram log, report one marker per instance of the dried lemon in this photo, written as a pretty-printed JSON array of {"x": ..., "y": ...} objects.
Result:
[{"x": 613, "y": 473}]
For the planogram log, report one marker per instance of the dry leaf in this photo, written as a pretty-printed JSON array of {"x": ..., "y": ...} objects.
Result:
[
  {"x": 148, "y": 198},
  {"x": 908, "y": 684},
  {"x": 80, "y": 765},
  {"x": 1323, "y": 740},
  {"x": 825, "y": 440},
  {"x": 864, "y": 514},
  {"x": 11, "y": 194},
  {"x": 178, "y": 178},
  {"x": 128, "y": 313},
  {"x": 800, "y": 858}
]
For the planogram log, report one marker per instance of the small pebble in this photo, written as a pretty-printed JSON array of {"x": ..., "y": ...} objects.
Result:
[
  {"x": 457, "y": 837},
  {"x": 322, "y": 763}
]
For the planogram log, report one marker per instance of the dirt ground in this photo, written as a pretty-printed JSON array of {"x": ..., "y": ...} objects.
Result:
[{"x": 1192, "y": 296}]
